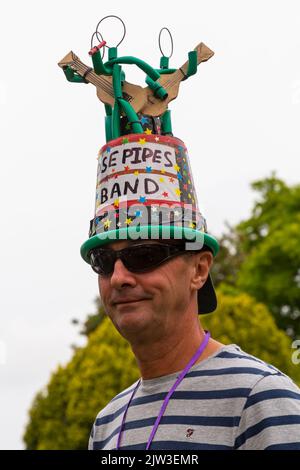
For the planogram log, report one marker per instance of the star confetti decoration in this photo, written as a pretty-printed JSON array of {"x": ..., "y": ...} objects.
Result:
[
  {"x": 138, "y": 213},
  {"x": 142, "y": 199},
  {"x": 107, "y": 223},
  {"x": 148, "y": 169},
  {"x": 165, "y": 194},
  {"x": 154, "y": 209},
  {"x": 192, "y": 224},
  {"x": 144, "y": 120},
  {"x": 156, "y": 139},
  {"x": 163, "y": 171},
  {"x": 178, "y": 192},
  {"x": 176, "y": 167},
  {"x": 176, "y": 213},
  {"x": 136, "y": 172},
  {"x": 127, "y": 126},
  {"x": 162, "y": 180},
  {"x": 126, "y": 168},
  {"x": 128, "y": 221},
  {"x": 108, "y": 149},
  {"x": 185, "y": 186},
  {"x": 142, "y": 141},
  {"x": 179, "y": 176},
  {"x": 148, "y": 131},
  {"x": 171, "y": 180},
  {"x": 125, "y": 140},
  {"x": 116, "y": 202}
]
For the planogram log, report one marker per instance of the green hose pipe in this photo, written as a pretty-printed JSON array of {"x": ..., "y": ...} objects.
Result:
[
  {"x": 140, "y": 63},
  {"x": 72, "y": 76},
  {"x": 158, "y": 89},
  {"x": 192, "y": 67},
  {"x": 99, "y": 67},
  {"x": 133, "y": 118}
]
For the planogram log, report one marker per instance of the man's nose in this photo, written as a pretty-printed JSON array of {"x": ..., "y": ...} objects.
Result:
[{"x": 121, "y": 276}]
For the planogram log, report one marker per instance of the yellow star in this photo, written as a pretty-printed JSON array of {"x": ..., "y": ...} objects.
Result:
[
  {"x": 128, "y": 221},
  {"x": 142, "y": 141},
  {"x": 163, "y": 171},
  {"x": 107, "y": 223},
  {"x": 192, "y": 225},
  {"x": 148, "y": 131},
  {"x": 176, "y": 167},
  {"x": 178, "y": 192},
  {"x": 162, "y": 180},
  {"x": 189, "y": 181},
  {"x": 189, "y": 196},
  {"x": 136, "y": 172},
  {"x": 116, "y": 202}
]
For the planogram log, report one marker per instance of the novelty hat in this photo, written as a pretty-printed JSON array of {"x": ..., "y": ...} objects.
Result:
[{"x": 145, "y": 188}]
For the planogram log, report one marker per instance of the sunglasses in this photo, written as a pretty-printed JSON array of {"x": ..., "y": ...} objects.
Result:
[{"x": 137, "y": 258}]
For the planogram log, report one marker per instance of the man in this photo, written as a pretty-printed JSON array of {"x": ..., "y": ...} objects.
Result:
[{"x": 222, "y": 399}]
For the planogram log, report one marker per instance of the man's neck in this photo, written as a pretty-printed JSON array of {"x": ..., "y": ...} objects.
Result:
[{"x": 166, "y": 357}]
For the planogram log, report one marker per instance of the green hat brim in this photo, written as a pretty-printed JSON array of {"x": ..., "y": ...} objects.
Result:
[{"x": 146, "y": 232}]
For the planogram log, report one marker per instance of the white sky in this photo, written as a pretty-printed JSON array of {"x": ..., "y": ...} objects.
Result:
[{"x": 239, "y": 117}]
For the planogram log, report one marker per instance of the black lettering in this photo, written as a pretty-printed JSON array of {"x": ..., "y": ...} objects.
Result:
[
  {"x": 127, "y": 187},
  {"x": 137, "y": 154},
  {"x": 126, "y": 153},
  {"x": 103, "y": 195},
  {"x": 157, "y": 156},
  {"x": 115, "y": 190},
  {"x": 166, "y": 157},
  {"x": 111, "y": 159},
  {"x": 103, "y": 164},
  {"x": 147, "y": 189},
  {"x": 147, "y": 153}
]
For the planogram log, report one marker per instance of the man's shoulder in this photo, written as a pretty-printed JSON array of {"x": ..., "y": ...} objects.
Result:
[
  {"x": 233, "y": 367},
  {"x": 115, "y": 406}
]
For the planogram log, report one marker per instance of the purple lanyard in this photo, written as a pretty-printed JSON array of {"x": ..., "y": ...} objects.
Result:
[{"x": 167, "y": 398}]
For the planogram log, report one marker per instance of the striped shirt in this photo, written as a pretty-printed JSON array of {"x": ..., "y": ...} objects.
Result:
[{"x": 231, "y": 400}]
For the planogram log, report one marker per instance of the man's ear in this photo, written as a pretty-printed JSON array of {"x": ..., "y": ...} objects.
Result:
[{"x": 202, "y": 264}]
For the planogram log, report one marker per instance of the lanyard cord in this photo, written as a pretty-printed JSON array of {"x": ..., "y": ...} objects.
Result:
[{"x": 167, "y": 398}]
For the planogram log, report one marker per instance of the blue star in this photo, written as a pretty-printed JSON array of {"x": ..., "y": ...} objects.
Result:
[
  {"x": 144, "y": 120},
  {"x": 148, "y": 169},
  {"x": 179, "y": 176},
  {"x": 108, "y": 149},
  {"x": 142, "y": 199},
  {"x": 138, "y": 213}
]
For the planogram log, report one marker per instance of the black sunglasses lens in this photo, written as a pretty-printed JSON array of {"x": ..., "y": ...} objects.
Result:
[
  {"x": 143, "y": 257},
  {"x": 102, "y": 261},
  {"x": 137, "y": 258}
]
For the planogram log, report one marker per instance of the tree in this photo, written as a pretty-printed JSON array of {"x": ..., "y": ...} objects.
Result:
[
  {"x": 62, "y": 415},
  {"x": 270, "y": 244},
  {"x": 261, "y": 255}
]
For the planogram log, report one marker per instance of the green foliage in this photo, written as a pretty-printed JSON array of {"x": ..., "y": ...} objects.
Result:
[
  {"x": 241, "y": 320},
  {"x": 62, "y": 415},
  {"x": 269, "y": 243}
]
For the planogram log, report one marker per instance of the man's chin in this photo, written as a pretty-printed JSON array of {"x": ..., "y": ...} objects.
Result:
[{"x": 130, "y": 319}]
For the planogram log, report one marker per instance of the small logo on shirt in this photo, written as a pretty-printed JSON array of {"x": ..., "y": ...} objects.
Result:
[{"x": 189, "y": 432}]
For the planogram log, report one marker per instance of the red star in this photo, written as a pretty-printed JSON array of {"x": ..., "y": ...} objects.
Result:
[
  {"x": 126, "y": 168},
  {"x": 185, "y": 186},
  {"x": 171, "y": 180},
  {"x": 116, "y": 176},
  {"x": 165, "y": 194}
]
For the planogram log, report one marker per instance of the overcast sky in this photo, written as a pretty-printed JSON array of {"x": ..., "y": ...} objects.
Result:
[{"x": 239, "y": 117}]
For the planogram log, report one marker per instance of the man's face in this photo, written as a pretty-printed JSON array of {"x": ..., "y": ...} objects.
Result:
[{"x": 146, "y": 306}]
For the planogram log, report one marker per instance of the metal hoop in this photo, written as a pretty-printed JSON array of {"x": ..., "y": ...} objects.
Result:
[
  {"x": 118, "y": 18},
  {"x": 159, "y": 43},
  {"x": 97, "y": 32}
]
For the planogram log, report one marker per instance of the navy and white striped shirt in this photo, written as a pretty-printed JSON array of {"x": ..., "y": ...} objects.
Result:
[{"x": 231, "y": 400}]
